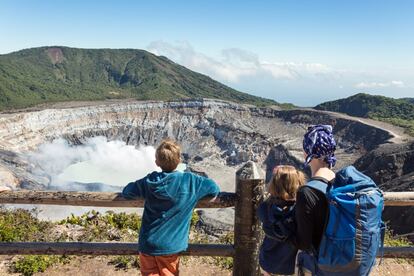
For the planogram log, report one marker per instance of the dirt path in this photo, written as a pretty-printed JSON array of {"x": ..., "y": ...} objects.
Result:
[
  {"x": 98, "y": 266},
  {"x": 398, "y": 133}
]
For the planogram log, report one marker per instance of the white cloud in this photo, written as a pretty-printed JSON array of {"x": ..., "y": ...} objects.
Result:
[
  {"x": 397, "y": 84},
  {"x": 299, "y": 82},
  {"x": 234, "y": 64}
]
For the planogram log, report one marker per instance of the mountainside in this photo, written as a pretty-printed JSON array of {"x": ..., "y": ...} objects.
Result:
[
  {"x": 50, "y": 74},
  {"x": 410, "y": 100},
  {"x": 397, "y": 111}
]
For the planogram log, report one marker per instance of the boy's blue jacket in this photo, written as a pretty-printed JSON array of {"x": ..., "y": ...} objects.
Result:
[{"x": 169, "y": 202}]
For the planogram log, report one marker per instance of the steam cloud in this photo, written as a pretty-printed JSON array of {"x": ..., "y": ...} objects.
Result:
[{"x": 96, "y": 161}]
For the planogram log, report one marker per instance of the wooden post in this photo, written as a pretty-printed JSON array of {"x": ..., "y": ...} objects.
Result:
[{"x": 247, "y": 228}]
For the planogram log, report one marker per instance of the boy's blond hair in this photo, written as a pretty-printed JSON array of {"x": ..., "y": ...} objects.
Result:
[
  {"x": 168, "y": 155},
  {"x": 285, "y": 182}
]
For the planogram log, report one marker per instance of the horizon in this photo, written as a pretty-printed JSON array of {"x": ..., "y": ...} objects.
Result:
[{"x": 301, "y": 53}]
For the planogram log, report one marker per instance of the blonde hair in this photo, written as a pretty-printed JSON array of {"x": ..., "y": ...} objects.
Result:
[
  {"x": 168, "y": 155},
  {"x": 285, "y": 182}
]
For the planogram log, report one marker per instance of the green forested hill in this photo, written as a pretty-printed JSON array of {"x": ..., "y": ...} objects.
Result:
[
  {"x": 396, "y": 111},
  {"x": 50, "y": 74},
  {"x": 411, "y": 100}
]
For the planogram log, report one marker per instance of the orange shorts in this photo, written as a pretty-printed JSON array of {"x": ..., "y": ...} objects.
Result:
[{"x": 165, "y": 265}]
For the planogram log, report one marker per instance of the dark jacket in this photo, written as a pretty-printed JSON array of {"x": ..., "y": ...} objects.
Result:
[
  {"x": 277, "y": 254},
  {"x": 311, "y": 214}
]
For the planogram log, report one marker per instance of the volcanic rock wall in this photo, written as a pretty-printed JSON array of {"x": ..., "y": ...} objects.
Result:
[{"x": 215, "y": 135}]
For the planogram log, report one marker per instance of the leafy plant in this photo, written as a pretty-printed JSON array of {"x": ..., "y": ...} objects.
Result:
[
  {"x": 120, "y": 221},
  {"x": 396, "y": 241},
  {"x": 194, "y": 219},
  {"x": 125, "y": 262},
  {"x": 21, "y": 225},
  {"x": 392, "y": 240},
  {"x": 108, "y": 226},
  {"x": 29, "y": 265}
]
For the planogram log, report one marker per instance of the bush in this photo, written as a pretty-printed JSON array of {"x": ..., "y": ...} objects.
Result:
[
  {"x": 108, "y": 226},
  {"x": 22, "y": 225},
  {"x": 395, "y": 241},
  {"x": 120, "y": 221},
  {"x": 224, "y": 262},
  {"x": 391, "y": 240},
  {"x": 125, "y": 262},
  {"x": 29, "y": 265},
  {"x": 194, "y": 219}
]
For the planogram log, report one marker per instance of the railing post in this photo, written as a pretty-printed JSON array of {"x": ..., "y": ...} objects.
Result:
[{"x": 247, "y": 230}]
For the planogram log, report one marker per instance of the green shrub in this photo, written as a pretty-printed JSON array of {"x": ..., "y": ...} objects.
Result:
[
  {"x": 29, "y": 265},
  {"x": 22, "y": 225},
  {"x": 125, "y": 262},
  {"x": 227, "y": 238},
  {"x": 194, "y": 219},
  {"x": 108, "y": 226},
  {"x": 395, "y": 241},
  {"x": 120, "y": 221},
  {"x": 224, "y": 262},
  {"x": 391, "y": 240},
  {"x": 123, "y": 220}
]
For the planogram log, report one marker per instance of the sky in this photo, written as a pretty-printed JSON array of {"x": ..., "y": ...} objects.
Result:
[{"x": 303, "y": 52}]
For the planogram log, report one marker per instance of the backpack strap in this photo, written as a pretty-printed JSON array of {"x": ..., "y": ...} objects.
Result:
[{"x": 321, "y": 184}]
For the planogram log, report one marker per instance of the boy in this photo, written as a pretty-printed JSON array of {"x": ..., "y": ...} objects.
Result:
[{"x": 170, "y": 197}]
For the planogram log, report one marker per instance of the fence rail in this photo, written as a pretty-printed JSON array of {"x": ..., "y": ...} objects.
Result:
[
  {"x": 99, "y": 199},
  {"x": 103, "y": 248},
  {"x": 247, "y": 231},
  {"x": 96, "y": 199},
  {"x": 118, "y": 248}
]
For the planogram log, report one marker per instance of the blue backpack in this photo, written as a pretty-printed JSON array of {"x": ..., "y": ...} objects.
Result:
[{"x": 354, "y": 228}]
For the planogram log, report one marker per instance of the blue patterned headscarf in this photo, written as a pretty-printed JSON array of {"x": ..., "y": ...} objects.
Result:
[{"x": 319, "y": 143}]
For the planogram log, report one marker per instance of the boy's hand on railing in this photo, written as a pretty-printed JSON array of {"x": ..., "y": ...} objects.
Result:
[
  {"x": 4, "y": 189},
  {"x": 213, "y": 199}
]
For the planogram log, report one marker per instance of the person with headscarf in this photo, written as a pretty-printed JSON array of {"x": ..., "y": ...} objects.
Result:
[
  {"x": 311, "y": 206},
  {"x": 341, "y": 238}
]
